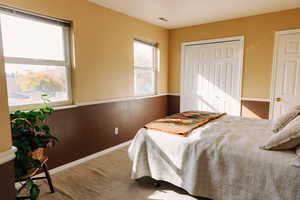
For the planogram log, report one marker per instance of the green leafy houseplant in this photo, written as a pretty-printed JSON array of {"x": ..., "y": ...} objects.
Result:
[{"x": 30, "y": 133}]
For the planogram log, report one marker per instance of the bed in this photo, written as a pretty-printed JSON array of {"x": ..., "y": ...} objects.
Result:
[{"x": 220, "y": 160}]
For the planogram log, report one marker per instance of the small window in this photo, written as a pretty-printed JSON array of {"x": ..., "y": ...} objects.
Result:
[
  {"x": 144, "y": 68},
  {"x": 37, "y": 59}
]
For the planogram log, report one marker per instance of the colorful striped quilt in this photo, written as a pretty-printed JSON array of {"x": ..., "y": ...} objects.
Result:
[{"x": 183, "y": 123}]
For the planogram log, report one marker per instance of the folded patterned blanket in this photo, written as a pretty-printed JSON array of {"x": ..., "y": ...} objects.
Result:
[{"x": 183, "y": 123}]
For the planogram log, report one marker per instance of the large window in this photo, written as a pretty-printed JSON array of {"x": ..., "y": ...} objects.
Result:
[
  {"x": 145, "y": 62},
  {"x": 37, "y": 59}
]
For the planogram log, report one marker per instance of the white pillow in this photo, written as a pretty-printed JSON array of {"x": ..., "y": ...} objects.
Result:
[
  {"x": 287, "y": 138},
  {"x": 284, "y": 119}
]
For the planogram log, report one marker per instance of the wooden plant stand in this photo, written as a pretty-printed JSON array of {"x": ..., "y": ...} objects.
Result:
[{"x": 31, "y": 174}]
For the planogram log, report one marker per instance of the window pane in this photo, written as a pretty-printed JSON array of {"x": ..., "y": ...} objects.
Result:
[
  {"x": 26, "y": 83},
  {"x": 144, "y": 82},
  {"x": 27, "y": 38},
  {"x": 143, "y": 55}
]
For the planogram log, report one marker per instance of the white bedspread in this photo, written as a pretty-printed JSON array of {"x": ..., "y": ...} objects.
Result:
[{"x": 220, "y": 160}]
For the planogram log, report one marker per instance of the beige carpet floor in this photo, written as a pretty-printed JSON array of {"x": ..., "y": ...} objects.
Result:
[{"x": 108, "y": 178}]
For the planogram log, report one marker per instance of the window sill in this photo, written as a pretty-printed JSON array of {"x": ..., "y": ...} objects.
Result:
[
  {"x": 65, "y": 107},
  {"x": 56, "y": 108}
]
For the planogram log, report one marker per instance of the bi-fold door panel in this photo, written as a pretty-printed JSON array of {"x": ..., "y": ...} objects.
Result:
[{"x": 212, "y": 77}]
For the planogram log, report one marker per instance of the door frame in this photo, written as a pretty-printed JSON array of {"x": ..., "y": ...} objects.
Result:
[
  {"x": 241, "y": 39},
  {"x": 275, "y": 67}
]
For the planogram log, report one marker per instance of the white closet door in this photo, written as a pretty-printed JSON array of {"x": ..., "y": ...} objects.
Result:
[
  {"x": 286, "y": 82},
  {"x": 211, "y": 79}
]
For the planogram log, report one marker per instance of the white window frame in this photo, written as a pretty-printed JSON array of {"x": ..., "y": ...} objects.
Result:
[
  {"x": 67, "y": 63},
  {"x": 154, "y": 68}
]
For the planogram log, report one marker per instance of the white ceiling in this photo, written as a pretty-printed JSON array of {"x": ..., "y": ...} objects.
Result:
[{"x": 182, "y": 13}]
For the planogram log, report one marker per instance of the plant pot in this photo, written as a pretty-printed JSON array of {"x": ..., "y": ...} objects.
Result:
[{"x": 38, "y": 154}]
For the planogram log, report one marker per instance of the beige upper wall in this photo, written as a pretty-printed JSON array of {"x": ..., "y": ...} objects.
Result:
[
  {"x": 259, "y": 34},
  {"x": 103, "y": 50},
  {"x": 103, "y": 41},
  {"x": 103, "y": 46},
  {"x": 5, "y": 136}
]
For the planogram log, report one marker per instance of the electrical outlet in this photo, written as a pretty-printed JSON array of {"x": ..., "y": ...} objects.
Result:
[{"x": 116, "y": 131}]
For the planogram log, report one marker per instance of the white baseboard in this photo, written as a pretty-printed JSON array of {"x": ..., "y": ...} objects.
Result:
[
  {"x": 82, "y": 160},
  {"x": 87, "y": 158}
]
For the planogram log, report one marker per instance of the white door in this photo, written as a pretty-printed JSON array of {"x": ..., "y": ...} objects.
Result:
[
  {"x": 211, "y": 77},
  {"x": 286, "y": 72}
]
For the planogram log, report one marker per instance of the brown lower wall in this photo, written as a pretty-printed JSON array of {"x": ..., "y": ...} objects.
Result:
[
  {"x": 255, "y": 109},
  {"x": 173, "y": 104},
  {"x": 85, "y": 130},
  {"x": 7, "y": 177},
  {"x": 252, "y": 109}
]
